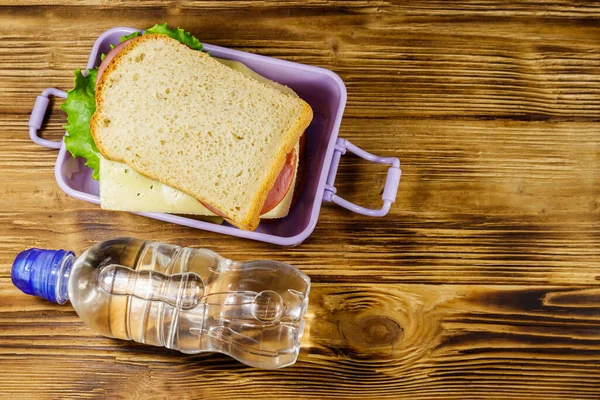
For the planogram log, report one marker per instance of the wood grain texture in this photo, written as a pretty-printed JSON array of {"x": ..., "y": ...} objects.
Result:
[{"x": 482, "y": 282}]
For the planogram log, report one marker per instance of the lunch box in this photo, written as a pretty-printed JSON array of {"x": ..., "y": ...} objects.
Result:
[{"x": 321, "y": 88}]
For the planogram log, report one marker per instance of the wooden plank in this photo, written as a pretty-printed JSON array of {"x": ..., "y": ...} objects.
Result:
[
  {"x": 394, "y": 64},
  {"x": 530, "y": 215},
  {"x": 389, "y": 341}
]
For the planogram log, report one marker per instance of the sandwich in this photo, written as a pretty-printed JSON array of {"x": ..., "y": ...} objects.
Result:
[{"x": 168, "y": 128}]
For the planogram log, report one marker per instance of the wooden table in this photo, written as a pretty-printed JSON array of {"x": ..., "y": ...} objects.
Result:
[{"x": 482, "y": 282}]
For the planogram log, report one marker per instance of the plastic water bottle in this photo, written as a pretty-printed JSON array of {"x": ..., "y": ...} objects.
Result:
[{"x": 191, "y": 300}]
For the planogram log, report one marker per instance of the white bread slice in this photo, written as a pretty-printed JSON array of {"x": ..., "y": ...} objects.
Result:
[
  {"x": 182, "y": 118},
  {"x": 123, "y": 189}
]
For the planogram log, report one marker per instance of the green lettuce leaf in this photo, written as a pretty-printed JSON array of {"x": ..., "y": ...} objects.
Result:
[
  {"x": 127, "y": 37},
  {"x": 80, "y": 106},
  {"x": 81, "y": 101},
  {"x": 178, "y": 34}
]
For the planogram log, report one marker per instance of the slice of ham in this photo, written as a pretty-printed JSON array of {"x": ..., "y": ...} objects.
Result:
[
  {"x": 284, "y": 180},
  {"x": 282, "y": 184}
]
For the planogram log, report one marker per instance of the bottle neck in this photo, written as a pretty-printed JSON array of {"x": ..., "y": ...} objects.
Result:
[{"x": 62, "y": 283}]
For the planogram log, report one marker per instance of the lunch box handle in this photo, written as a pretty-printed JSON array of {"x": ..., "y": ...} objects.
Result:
[
  {"x": 391, "y": 183},
  {"x": 37, "y": 117}
]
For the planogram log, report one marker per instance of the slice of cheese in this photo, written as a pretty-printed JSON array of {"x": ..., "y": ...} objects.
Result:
[{"x": 123, "y": 189}]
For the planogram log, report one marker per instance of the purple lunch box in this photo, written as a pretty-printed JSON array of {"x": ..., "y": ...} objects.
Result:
[{"x": 321, "y": 88}]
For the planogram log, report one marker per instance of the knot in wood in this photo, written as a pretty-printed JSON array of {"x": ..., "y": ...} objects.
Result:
[{"x": 371, "y": 331}]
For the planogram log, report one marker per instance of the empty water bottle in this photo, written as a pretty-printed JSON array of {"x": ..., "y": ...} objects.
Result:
[{"x": 191, "y": 300}]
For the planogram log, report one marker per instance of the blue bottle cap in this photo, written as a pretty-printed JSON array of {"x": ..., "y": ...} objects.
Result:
[{"x": 36, "y": 272}]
